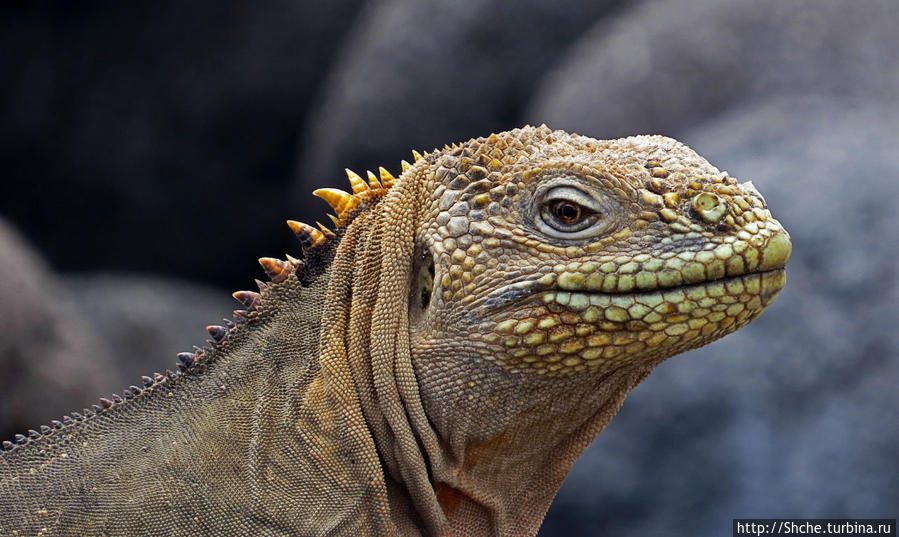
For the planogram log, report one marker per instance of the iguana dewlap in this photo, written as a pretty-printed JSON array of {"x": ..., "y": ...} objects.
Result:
[{"x": 435, "y": 365}]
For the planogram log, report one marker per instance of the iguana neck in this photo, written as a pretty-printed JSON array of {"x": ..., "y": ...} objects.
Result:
[
  {"x": 230, "y": 444},
  {"x": 365, "y": 356},
  {"x": 445, "y": 451},
  {"x": 509, "y": 443}
]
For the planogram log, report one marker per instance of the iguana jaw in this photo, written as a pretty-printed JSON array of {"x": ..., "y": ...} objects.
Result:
[
  {"x": 559, "y": 332},
  {"x": 519, "y": 432}
]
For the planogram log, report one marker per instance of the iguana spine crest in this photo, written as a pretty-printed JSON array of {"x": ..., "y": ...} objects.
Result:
[{"x": 311, "y": 239}]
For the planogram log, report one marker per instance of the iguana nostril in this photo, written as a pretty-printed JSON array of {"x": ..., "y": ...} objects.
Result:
[{"x": 710, "y": 207}]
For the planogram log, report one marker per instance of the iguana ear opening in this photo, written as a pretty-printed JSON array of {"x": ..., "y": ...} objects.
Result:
[{"x": 421, "y": 285}]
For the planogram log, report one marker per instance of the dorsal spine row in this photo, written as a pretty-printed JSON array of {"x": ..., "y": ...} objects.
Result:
[{"x": 344, "y": 204}]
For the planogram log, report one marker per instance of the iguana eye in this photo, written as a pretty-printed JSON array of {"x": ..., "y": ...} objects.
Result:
[{"x": 567, "y": 212}]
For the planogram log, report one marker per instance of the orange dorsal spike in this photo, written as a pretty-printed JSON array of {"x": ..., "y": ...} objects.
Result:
[
  {"x": 356, "y": 182},
  {"x": 308, "y": 235},
  {"x": 248, "y": 299},
  {"x": 276, "y": 270},
  {"x": 342, "y": 202},
  {"x": 373, "y": 181},
  {"x": 405, "y": 165},
  {"x": 416, "y": 155},
  {"x": 387, "y": 179}
]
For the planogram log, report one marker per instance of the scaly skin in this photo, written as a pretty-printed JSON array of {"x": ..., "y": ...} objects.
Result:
[{"x": 437, "y": 367}]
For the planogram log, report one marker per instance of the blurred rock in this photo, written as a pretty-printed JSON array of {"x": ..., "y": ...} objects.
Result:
[
  {"x": 137, "y": 126},
  {"x": 794, "y": 416},
  {"x": 67, "y": 341},
  {"x": 664, "y": 66},
  {"x": 51, "y": 362},
  {"x": 145, "y": 321},
  {"x": 416, "y": 75}
]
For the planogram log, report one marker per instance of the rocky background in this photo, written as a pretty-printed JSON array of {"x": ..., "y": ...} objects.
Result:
[{"x": 151, "y": 153}]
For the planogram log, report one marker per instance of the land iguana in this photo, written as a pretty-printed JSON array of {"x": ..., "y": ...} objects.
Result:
[{"x": 432, "y": 366}]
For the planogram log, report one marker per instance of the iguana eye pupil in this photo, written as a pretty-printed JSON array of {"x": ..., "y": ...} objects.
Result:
[{"x": 567, "y": 211}]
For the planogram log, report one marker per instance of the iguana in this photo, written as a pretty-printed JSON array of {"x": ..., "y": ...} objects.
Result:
[{"x": 432, "y": 366}]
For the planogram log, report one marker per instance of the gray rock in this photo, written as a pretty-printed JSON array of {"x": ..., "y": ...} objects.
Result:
[
  {"x": 51, "y": 361},
  {"x": 667, "y": 65},
  {"x": 147, "y": 320},
  {"x": 415, "y": 75},
  {"x": 796, "y": 415}
]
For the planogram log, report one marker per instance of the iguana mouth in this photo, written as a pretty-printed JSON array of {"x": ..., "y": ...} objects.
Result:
[
  {"x": 712, "y": 294},
  {"x": 766, "y": 283},
  {"x": 568, "y": 331},
  {"x": 763, "y": 283},
  {"x": 701, "y": 270},
  {"x": 764, "y": 274}
]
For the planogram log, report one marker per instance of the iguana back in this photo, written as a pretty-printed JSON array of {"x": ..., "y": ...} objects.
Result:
[
  {"x": 191, "y": 453},
  {"x": 433, "y": 366}
]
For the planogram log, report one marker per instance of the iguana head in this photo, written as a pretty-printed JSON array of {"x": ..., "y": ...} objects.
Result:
[
  {"x": 557, "y": 255},
  {"x": 507, "y": 292}
]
